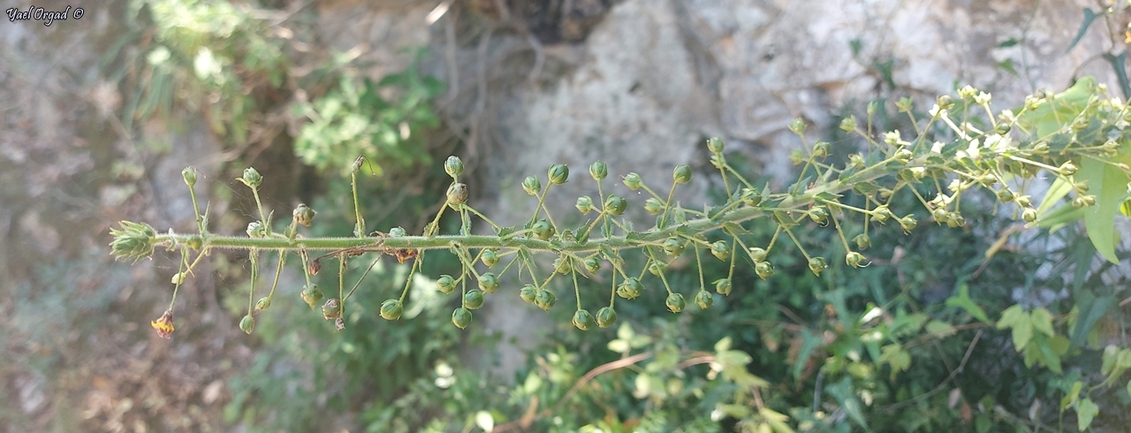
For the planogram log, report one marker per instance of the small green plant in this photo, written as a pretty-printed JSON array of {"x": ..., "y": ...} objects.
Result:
[{"x": 1079, "y": 138}]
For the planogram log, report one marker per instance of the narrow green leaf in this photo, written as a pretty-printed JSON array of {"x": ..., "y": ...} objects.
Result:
[
  {"x": 1089, "y": 16},
  {"x": 1119, "y": 65},
  {"x": 1060, "y": 217},
  {"x": 1091, "y": 309},
  {"x": 1059, "y": 188},
  {"x": 808, "y": 343}
]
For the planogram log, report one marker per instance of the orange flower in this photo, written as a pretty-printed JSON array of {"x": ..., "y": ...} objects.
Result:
[{"x": 164, "y": 325}]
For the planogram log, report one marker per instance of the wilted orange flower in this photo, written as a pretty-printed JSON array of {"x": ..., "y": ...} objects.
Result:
[{"x": 164, "y": 325}]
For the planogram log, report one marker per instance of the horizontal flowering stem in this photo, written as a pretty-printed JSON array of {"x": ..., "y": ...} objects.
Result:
[{"x": 701, "y": 225}]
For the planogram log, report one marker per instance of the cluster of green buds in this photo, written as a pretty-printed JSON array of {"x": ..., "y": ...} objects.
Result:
[{"x": 1015, "y": 146}]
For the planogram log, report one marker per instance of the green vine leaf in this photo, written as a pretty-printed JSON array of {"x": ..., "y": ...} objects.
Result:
[{"x": 1086, "y": 411}]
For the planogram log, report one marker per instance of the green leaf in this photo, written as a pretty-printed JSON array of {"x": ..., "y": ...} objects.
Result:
[
  {"x": 1060, "y": 217},
  {"x": 1085, "y": 412},
  {"x": 1072, "y": 396},
  {"x": 1118, "y": 64},
  {"x": 1042, "y": 321},
  {"x": 896, "y": 357},
  {"x": 1089, "y": 16},
  {"x": 1059, "y": 188},
  {"x": 1051, "y": 116},
  {"x": 808, "y": 343},
  {"x": 1109, "y": 184},
  {"x": 842, "y": 392},
  {"x": 1090, "y": 310},
  {"x": 1014, "y": 317},
  {"x": 962, "y": 300}
]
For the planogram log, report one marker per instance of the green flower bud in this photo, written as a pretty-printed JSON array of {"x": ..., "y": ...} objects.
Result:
[
  {"x": 848, "y": 124},
  {"x": 453, "y": 167},
  {"x": 584, "y": 204},
  {"x": 592, "y": 265},
  {"x": 722, "y": 286},
  {"x": 903, "y": 155},
  {"x": 987, "y": 180},
  {"x": 1023, "y": 201},
  {"x": 303, "y": 214},
  {"x": 862, "y": 241},
  {"x": 904, "y": 104},
  {"x": 262, "y": 304},
  {"x": 715, "y": 144},
  {"x": 944, "y": 102},
  {"x": 1005, "y": 195},
  {"x": 1080, "y": 187},
  {"x": 543, "y": 230},
  {"x": 392, "y": 309},
  {"x": 457, "y": 194},
  {"x": 721, "y": 250},
  {"x": 489, "y": 257},
  {"x": 1067, "y": 169},
  {"x": 473, "y": 299},
  {"x": 606, "y": 317},
  {"x": 750, "y": 197},
  {"x": 907, "y": 223},
  {"x": 332, "y": 309},
  {"x": 558, "y": 174},
  {"x": 817, "y": 264},
  {"x": 653, "y": 205},
  {"x": 630, "y": 288},
  {"x": 545, "y": 300},
  {"x": 528, "y": 293},
  {"x": 704, "y": 300},
  {"x": 955, "y": 219},
  {"x": 656, "y": 268},
  {"x": 461, "y": 317},
  {"x": 189, "y": 174},
  {"x": 247, "y": 324},
  {"x": 251, "y": 178},
  {"x": 758, "y": 254},
  {"x": 615, "y": 205},
  {"x": 855, "y": 259},
  {"x": 531, "y": 185},
  {"x": 798, "y": 126},
  {"x": 1084, "y": 201},
  {"x": 397, "y": 232},
  {"x": 819, "y": 215},
  {"x": 681, "y": 174},
  {"x": 764, "y": 270},
  {"x": 855, "y": 161},
  {"x": 633, "y": 181},
  {"x": 821, "y": 149},
  {"x": 446, "y": 284},
  {"x": 674, "y": 302},
  {"x": 488, "y": 282},
  {"x": 255, "y": 229},
  {"x": 881, "y": 214},
  {"x": 1029, "y": 215},
  {"x": 673, "y": 246},
  {"x": 311, "y": 294},
  {"x": 583, "y": 320},
  {"x": 598, "y": 170},
  {"x": 562, "y": 265}
]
